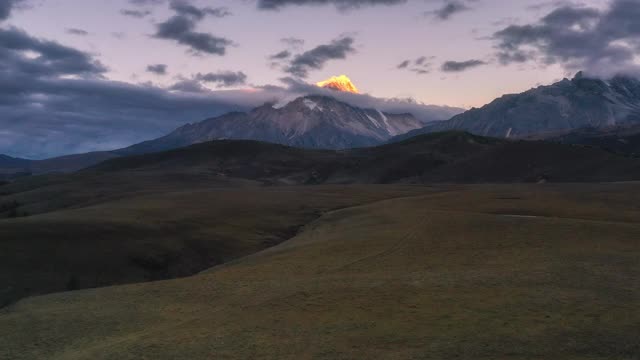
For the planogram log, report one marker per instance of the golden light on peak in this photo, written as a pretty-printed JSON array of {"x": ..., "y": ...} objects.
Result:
[{"x": 340, "y": 83}]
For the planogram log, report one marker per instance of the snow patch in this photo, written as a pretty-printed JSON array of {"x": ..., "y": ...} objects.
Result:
[
  {"x": 384, "y": 118},
  {"x": 310, "y": 104},
  {"x": 374, "y": 121},
  {"x": 509, "y": 133}
]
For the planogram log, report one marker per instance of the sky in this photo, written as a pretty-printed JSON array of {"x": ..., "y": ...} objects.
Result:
[{"x": 100, "y": 74}]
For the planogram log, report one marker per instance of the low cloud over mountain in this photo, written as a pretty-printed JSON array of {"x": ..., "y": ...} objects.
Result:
[{"x": 56, "y": 100}]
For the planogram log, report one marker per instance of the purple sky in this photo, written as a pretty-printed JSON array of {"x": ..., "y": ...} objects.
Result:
[{"x": 450, "y": 51}]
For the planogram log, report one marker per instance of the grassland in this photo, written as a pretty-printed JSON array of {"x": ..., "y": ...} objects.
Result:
[
  {"x": 469, "y": 272},
  {"x": 160, "y": 235}
]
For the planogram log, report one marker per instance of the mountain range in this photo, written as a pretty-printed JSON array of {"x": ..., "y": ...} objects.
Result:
[
  {"x": 548, "y": 110},
  {"x": 581, "y": 111},
  {"x": 314, "y": 122}
]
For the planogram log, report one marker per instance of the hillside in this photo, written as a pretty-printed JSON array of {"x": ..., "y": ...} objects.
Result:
[
  {"x": 443, "y": 157},
  {"x": 623, "y": 140},
  {"x": 316, "y": 122},
  {"x": 160, "y": 234},
  {"x": 436, "y": 158},
  {"x": 482, "y": 272},
  {"x": 151, "y": 216}
]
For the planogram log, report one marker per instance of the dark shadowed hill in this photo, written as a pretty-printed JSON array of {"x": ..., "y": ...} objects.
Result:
[
  {"x": 443, "y": 157},
  {"x": 623, "y": 140},
  {"x": 452, "y": 157}
]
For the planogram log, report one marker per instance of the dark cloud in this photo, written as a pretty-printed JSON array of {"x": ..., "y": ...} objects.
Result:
[
  {"x": 147, "y": 2},
  {"x": 181, "y": 28},
  {"x": 158, "y": 69},
  {"x": 54, "y": 101},
  {"x": 141, "y": 3},
  {"x": 184, "y": 8},
  {"x": 317, "y": 57},
  {"x": 285, "y": 54},
  {"x": 448, "y": 9},
  {"x": 47, "y": 58},
  {"x": 6, "y": 6},
  {"x": 404, "y": 64},
  {"x": 459, "y": 66},
  {"x": 189, "y": 86},
  {"x": 340, "y": 4},
  {"x": 420, "y": 66},
  {"x": 79, "y": 32},
  {"x": 223, "y": 78},
  {"x": 601, "y": 41},
  {"x": 135, "y": 13}
]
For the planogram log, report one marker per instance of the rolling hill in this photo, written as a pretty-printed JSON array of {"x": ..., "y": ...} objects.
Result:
[
  {"x": 442, "y": 157},
  {"x": 148, "y": 217},
  {"x": 623, "y": 140},
  {"x": 477, "y": 272},
  {"x": 452, "y": 157}
]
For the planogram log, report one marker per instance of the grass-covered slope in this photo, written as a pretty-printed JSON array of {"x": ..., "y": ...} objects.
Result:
[
  {"x": 482, "y": 272},
  {"x": 154, "y": 236}
]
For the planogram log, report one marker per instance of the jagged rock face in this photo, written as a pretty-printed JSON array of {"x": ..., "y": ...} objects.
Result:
[
  {"x": 564, "y": 106},
  {"x": 309, "y": 122}
]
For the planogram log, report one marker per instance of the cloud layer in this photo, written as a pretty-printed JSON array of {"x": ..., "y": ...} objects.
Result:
[
  {"x": 601, "y": 42},
  {"x": 6, "y": 6}
]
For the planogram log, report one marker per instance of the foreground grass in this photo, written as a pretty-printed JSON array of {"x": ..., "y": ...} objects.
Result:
[
  {"x": 484, "y": 272},
  {"x": 160, "y": 235}
]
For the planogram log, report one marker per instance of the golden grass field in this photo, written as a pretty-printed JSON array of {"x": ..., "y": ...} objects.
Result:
[{"x": 464, "y": 272}]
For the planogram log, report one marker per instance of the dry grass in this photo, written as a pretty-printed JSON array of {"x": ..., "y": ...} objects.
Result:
[
  {"x": 160, "y": 235},
  {"x": 437, "y": 276}
]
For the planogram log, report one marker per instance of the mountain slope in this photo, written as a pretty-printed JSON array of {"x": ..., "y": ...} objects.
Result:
[
  {"x": 68, "y": 209},
  {"x": 564, "y": 106},
  {"x": 315, "y": 122}
]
